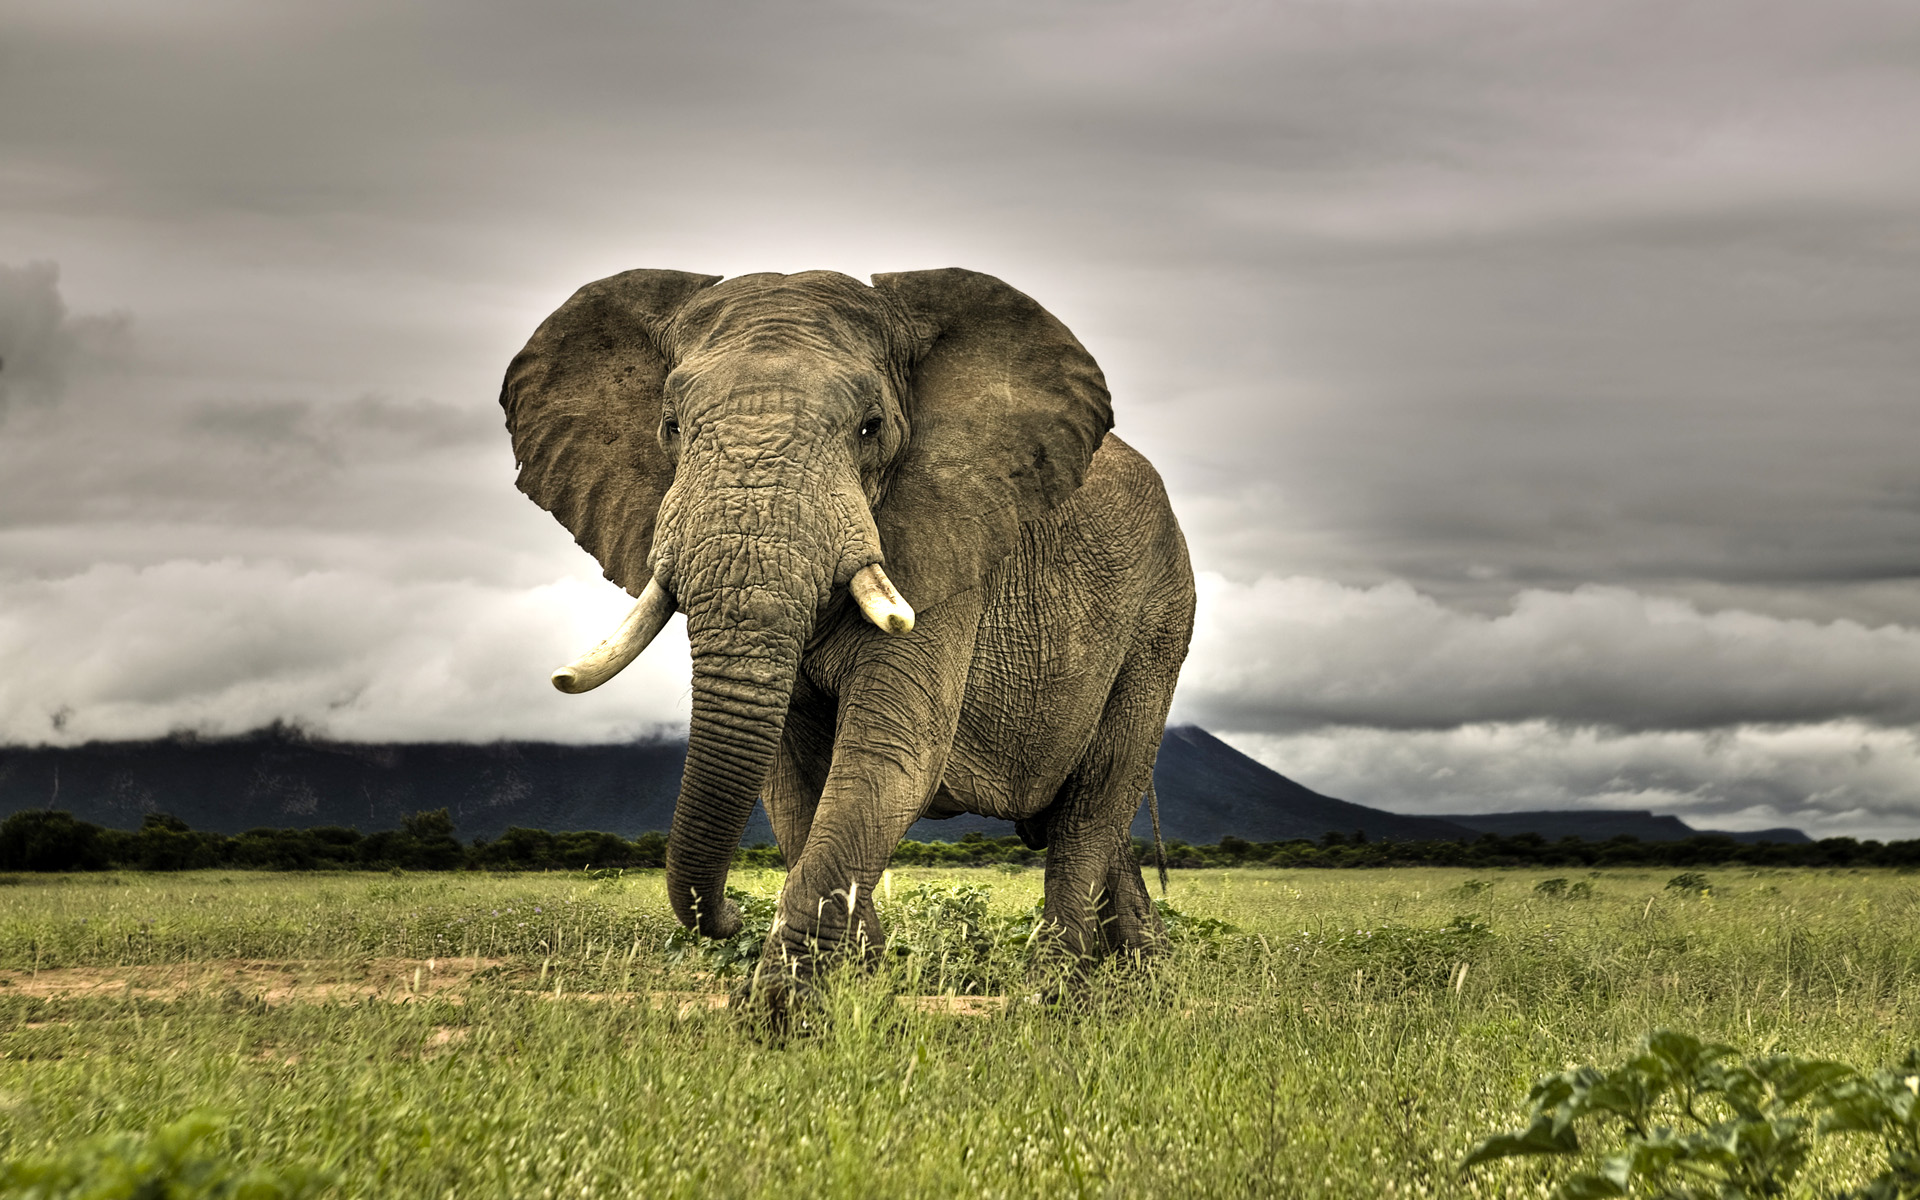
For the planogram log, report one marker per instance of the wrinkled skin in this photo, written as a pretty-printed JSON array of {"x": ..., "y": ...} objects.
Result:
[{"x": 753, "y": 444}]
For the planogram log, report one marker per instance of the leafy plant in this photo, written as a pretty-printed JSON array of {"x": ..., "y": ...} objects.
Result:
[
  {"x": 730, "y": 955},
  {"x": 180, "y": 1161},
  {"x": 1185, "y": 927},
  {"x": 1688, "y": 881},
  {"x": 1885, "y": 1104},
  {"x": 1563, "y": 889},
  {"x": 1696, "y": 1125},
  {"x": 607, "y": 879},
  {"x": 945, "y": 935},
  {"x": 1400, "y": 956},
  {"x": 961, "y": 945}
]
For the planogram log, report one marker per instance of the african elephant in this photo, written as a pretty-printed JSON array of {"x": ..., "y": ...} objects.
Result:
[{"x": 920, "y": 576}]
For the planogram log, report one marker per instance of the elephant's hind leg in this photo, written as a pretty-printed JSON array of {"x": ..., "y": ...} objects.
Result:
[{"x": 1096, "y": 899}]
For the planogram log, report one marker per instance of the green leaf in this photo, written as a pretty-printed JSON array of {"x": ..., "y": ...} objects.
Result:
[
  {"x": 1652, "y": 1157},
  {"x": 1684, "y": 1055},
  {"x": 1627, "y": 1093},
  {"x": 1790, "y": 1080},
  {"x": 1590, "y": 1187},
  {"x": 1863, "y": 1112},
  {"x": 1541, "y": 1137}
]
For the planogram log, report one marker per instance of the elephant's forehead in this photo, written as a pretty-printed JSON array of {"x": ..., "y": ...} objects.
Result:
[
  {"x": 819, "y": 311},
  {"x": 793, "y": 392}
]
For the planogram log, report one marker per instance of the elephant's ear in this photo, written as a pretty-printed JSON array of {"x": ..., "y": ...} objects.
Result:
[
  {"x": 1005, "y": 409},
  {"x": 583, "y": 406}
]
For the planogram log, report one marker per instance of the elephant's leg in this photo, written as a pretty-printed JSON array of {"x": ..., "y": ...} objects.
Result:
[
  {"x": 1096, "y": 900},
  {"x": 900, "y": 701},
  {"x": 800, "y": 769}
]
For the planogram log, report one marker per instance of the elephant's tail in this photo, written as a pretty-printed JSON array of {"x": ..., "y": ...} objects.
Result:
[{"x": 1159, "y": 847}]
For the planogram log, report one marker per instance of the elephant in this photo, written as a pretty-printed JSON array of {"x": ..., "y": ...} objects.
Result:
[{"x": 920, "y": 578}]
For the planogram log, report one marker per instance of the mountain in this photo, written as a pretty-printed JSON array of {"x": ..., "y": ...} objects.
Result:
[
  {"x": 1597, "y": 825},
  {"x": 279, "y": 777}
]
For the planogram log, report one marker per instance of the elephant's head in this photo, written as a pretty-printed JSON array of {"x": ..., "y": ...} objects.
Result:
[{"x": 747, "y": 450}]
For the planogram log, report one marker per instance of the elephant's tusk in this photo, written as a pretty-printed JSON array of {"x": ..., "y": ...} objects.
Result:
[
  {"x": 880, "y": 600},
  {"x": 609, "y": 658}
]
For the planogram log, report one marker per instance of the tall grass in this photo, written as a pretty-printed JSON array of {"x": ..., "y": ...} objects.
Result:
[{"x": 1352, "y": 1036}]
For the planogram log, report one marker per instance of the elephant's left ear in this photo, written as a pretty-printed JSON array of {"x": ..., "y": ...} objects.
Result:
[{"x": 1005, "y": 408}]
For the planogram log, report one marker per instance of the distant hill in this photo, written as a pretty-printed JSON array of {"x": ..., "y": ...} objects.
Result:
[
  {"x": 1597, "y": 825},
  {"x": 278, "y": 777},
  {"x": 1216, "y": 791},
  {"x": 281, "y": 778}
]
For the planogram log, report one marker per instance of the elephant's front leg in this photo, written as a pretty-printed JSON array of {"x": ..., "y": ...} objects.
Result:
[{"x": 900, "y": 701}]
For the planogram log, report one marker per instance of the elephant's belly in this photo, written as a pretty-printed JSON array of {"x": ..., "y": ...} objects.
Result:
[{"x": 945, "y": 804}]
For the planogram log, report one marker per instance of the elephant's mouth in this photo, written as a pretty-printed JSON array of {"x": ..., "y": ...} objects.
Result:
[{"x": 878, "y": 599}]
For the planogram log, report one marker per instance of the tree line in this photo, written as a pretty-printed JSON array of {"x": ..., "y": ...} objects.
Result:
[{"x": 50, "y": 840}]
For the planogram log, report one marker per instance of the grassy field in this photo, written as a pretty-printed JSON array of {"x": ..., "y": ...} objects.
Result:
[{"x": 467, "y": 1035}]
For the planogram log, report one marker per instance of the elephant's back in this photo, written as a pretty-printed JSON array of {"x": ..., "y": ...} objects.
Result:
[{"x": 1123, "y": 510}]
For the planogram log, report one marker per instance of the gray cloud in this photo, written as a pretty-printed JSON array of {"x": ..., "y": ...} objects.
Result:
[
  {"x": 1301, "y": 653},
  {"x": 40, "y": 342},
  {"x": 124, "y": 652},
  {"x": 1832, "y": 779}
]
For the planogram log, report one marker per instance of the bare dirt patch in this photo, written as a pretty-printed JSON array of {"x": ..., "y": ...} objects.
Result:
[{"x": 396, "y": 980}]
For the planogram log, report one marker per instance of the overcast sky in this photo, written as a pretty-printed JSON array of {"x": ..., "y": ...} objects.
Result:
[{"x": 1536, "y": 380}]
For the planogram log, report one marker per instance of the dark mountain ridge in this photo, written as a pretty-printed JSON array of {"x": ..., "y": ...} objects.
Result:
[
  {"x": 1599, "y": 824},
  {"x": 279, "y": 777}
]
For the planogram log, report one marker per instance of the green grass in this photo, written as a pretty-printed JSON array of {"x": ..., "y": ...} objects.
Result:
[{"x": 1354, "y": 1037}]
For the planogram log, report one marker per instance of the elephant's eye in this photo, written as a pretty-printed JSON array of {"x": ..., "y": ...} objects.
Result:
[
  {"x": 870, "y": 427},
  {"x": 671, "y": 427}
]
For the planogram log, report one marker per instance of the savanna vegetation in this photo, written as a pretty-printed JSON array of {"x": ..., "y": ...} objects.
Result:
[{"x": 1309, "y": 1033}]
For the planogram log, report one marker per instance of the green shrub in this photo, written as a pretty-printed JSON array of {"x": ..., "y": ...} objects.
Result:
[
  {"x": 41, "y": 839},
  {"x": 1184, "y": 927},
  {"x": 1400, "y": 957},
  {"x": 181, "y": 1161},
  {"x": 1692, "y": 1124},
  {"x": 943, "y": 938},
  {"x": 1563, "y": 889},
  {"x": 731, "y": 955}
]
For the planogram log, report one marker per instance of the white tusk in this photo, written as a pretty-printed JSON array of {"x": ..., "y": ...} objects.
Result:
[
  {"x": 609, "y": 658},
  {"x": 880, "y": 600}
]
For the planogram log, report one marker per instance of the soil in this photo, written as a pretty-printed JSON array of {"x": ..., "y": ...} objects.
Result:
[{"x": 397, "y": 980}]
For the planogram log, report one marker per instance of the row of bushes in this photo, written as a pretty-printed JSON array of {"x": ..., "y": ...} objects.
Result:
[
  {"x": 40, "y": 840},
  {"x": 1340, "y": 850},
  {"x": 44, "y": 840}
]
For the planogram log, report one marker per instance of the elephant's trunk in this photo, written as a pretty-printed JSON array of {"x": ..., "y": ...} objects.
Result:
[{"x": 746, "y": 639}]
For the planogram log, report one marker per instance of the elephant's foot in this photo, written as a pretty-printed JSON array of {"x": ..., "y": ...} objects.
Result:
[
  {"x": 1109, "y": 920},
  {"x": 778, "y": 997},
  {"x": 1088, "y": 987},
  {"x": 782, "y": 991}
]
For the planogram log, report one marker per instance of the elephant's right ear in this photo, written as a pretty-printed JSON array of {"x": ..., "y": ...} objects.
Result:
[
  {"x": 583, "y": 405},
  {"x": 1005, "y": 408}
]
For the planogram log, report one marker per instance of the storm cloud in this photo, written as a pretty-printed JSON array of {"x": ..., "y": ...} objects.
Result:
[
  {"x": 41, "y": 342},
  {"x": 1301, "y": 652},
  {"x": 1535, "y": 382}
]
